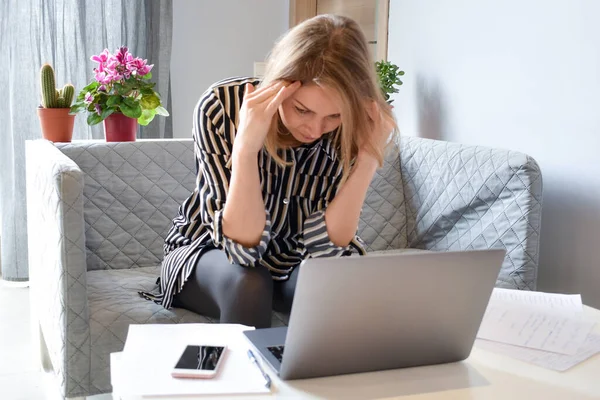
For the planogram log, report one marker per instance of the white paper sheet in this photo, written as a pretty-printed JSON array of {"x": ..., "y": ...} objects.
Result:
[
  {"x": 151, "y": 352},
  {"x": 547, "y": 301},
  {"x": 529, "y": 327},
  {"x": 545, "y": 359}
]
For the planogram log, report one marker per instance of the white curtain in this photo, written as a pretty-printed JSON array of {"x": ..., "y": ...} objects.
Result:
[{"x": 64, "y": 33}]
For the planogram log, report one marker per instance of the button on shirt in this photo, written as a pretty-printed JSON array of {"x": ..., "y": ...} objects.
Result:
[{"x": 295, "y": 196}]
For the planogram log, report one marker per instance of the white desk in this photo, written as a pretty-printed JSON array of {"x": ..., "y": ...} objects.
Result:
[{"x": 484, "y": 375}]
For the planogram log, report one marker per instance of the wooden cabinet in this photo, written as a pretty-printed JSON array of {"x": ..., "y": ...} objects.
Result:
[{"x": 371, "y": 15}]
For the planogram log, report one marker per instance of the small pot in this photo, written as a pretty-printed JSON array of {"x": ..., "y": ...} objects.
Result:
[
  {"x": 120, "y": 128},
  {"x": 56, "y": 124}
]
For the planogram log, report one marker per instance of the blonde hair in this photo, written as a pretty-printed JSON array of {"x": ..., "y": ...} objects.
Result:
[{"x": 331, "y": 51}]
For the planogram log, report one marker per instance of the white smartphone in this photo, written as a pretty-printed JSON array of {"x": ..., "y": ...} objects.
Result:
[{"x": 199, "y": 361}]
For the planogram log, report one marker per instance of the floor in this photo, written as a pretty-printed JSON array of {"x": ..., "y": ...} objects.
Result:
[{"x": 19, "y": 377}]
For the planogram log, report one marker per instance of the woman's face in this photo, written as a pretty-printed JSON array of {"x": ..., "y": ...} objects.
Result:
[{"x": 311, "y": 111}]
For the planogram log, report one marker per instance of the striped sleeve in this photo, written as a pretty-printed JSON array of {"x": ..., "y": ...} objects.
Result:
[
  {"x": 318, "y": 243},
  {"x": 213, "y": 149},
  {"x": 315, "y": 236}
]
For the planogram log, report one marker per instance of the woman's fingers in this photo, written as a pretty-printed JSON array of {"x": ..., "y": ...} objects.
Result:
[
  {"x": 248, "y": 89},
  {"x": 383, "y": 124},
  {"x": 260, "y": 95},
  {"x": 282, "y": 94},
  {"x": 373, "y": 111}
]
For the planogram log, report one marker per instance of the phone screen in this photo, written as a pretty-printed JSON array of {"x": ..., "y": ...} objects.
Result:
[{"x": 200, "y": 358}]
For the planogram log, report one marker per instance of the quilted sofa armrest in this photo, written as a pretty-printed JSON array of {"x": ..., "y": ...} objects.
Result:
[
  {"x": 57, "y": 261},
  {"x": 461, "y": 197}
]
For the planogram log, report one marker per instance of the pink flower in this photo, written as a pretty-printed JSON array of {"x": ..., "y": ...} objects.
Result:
[
  {"x": 112, "y": 64},
  {"x": 123, "y": 55},
  {"x": 138, "y": 66},
  {"x": 114, "y": 76},
  {"x": 145, "y": 69},
  {"x": 122, "y": 65},
  {"x": 102, "y": 88},
  {"x": 102, "y": 77},
  {"x": 102, "y": 57},
  {"x": 89, "y": 98},
  {"x": 98, "y": 108}
]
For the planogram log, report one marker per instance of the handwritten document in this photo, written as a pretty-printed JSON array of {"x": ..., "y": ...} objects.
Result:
[
  {"x": 546, "y": 359},
  {"x": 533, "y": 328},
  {"x": 548, "y": 301},
  {"x": 543, "y": 321}
]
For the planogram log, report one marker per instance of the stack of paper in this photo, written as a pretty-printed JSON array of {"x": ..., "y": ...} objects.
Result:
[
  {"x": 151, "y": 351},
  {"x": 545, "y": 329}
]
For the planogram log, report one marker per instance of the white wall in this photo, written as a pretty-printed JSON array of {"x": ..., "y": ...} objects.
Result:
[
  {"x": 217, "y": 39},
  {"x": 523, "y": 75}
]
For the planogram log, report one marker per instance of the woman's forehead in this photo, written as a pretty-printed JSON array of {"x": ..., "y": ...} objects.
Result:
[{"x": 318, "y": 98}]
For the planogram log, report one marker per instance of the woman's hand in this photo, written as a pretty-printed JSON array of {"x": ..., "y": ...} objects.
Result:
[
  {"x": 383, "y": 125},
  {"x": 257, "y": 112}
]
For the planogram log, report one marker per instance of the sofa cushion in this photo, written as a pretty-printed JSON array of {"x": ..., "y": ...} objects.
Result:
[{"x": 114, "y": 304}]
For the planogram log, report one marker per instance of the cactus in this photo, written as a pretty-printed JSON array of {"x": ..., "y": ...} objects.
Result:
[
  {"x": 68, "y": 92},
  {"x": 51, "y": 96},
  {"x": 48, "y": 87}
]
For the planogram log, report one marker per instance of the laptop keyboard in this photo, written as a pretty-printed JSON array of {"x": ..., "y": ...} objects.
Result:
[{"x": 277, "y": 351}]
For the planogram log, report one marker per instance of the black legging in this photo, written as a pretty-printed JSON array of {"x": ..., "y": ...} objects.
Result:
[{"x": 235, "y": 294}]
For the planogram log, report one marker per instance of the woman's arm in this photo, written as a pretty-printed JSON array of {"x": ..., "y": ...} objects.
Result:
[
  {"x": 213, "y": 149},
  {"x": 244, "y": 214},
  {"x": 343, "y": 213}
]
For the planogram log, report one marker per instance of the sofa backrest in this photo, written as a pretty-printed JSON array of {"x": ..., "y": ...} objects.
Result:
[
  {"x": 463, "y": 197},
  {"x": 133, "y": 191},
  {"x": 383, "y": 221}
]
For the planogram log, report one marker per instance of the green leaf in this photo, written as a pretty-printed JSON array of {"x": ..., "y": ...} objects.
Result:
[
  {"x": 150, "y": 102},
  {"x": 147, "y": 90},
  {"x": 144, "y": 86},
  {"x": 129, "y": 110},
  {"x": 91, "y": 87},
  {"x": 162, "y": 111},
  {"x": 77, "y": 107},
  {"x": 113, "y": 101},
  {"x": 93, "y": 119},
  {"x": 106, "y": 113},
  {"x": 121, "y": 89},
  {"x": 131, "y": 102},
  {"x": 147, "y": 76},
  {"x": 388, "y": 77},
  {"x": 147, "y": 117}
]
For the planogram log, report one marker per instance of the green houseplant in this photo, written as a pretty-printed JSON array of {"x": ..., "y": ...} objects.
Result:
[
  {"x": 121, "y": 95},
  {"x": 56, "y": 121},
  {"x": 388, "y": 75}
]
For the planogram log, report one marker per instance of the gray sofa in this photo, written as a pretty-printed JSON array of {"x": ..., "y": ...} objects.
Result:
[{"x": 98, "y": 212}]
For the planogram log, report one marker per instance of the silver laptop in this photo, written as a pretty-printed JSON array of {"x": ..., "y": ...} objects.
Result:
[{"x": 381, "y": 311}]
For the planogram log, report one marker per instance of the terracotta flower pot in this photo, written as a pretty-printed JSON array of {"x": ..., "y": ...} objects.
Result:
[
  {"x": 120, "y": 128},
  {"x": 56, "y": 124}
]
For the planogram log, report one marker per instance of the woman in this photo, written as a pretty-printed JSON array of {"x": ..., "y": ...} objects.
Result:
[{"x": 283, "y": 169}]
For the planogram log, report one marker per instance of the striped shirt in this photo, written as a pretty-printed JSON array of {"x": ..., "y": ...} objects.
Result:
[{"x": 295, "y": 197}]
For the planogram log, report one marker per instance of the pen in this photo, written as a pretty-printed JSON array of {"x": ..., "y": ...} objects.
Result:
[{"x": 262, "y": 371}]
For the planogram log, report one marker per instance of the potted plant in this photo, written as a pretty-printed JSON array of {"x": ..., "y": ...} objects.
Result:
[
  {"x": 55, "y": 120},
  {"x": 388, "y": 75},
  {"x": 121, "y": 95}
]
